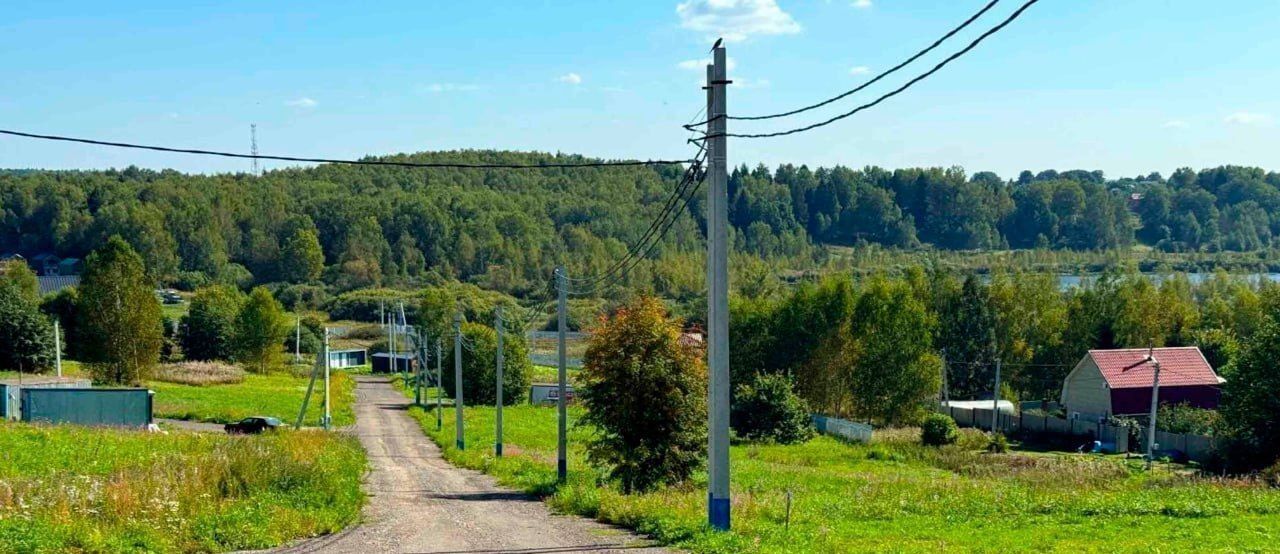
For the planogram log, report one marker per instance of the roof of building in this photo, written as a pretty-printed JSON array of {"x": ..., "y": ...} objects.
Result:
[
  {"x": 399, "y": 356},
  {"x": 50, "y": 284},
  {"x": 1179, "y": 367}
]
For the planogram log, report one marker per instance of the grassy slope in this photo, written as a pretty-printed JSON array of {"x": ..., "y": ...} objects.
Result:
[
  {"x": 891, "y": 496},
  {"x": 99, "y": 490},
  {"x": 278, "y": 394}
]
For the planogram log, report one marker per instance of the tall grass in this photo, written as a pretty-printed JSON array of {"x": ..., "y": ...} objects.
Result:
[
  {"x": 199, "y": 373},
  {"x": 68, "y": 489},
  {"x": 892, "y": 495}
]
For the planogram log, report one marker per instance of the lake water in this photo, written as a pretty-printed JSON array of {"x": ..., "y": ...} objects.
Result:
[{"x": 1067, "y": 281}]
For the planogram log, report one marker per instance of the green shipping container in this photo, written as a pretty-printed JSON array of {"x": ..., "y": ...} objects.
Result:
[{"x": 94, "y": 407}]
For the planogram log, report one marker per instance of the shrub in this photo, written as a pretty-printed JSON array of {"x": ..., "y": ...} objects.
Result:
[
  {"x": 1271, "y": 476},
  {"x": 1184, "y": 418},
  {"x": 479, "y": 366},
  {"x": 199, "y": 373},
  {"x": 999, "y": 444},
  {"x": 768, "y": 409},
  {"x": 938, "y": 430},
  {"x": 645, "y": 395}
]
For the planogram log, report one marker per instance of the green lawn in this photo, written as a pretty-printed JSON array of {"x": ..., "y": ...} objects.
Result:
[
  {"x": 74, "y": 489},
  {"x": 548, "y": 374},
  {"x": 892, "y": 495},
  {"x": 278, "y": 394}
]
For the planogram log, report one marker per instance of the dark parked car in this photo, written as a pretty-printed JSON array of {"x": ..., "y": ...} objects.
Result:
[{"x": 253, "y": 425}]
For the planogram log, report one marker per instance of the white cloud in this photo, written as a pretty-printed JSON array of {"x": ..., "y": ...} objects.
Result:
[
  {"x": 735, "y": 20},
  {"x": 570, "y": 78},
  {"x": 862, "y": 4},
  {"x": 859, "y": 70},
  {"x": 744, "y": 82},
  {"x": 1248, "y": 118},
  {"x": 701, "y": 64},
  {"x": 1175, "y": 124},
  {"x": 438, "y": 88},
  {"x": 303, "y": 102}
]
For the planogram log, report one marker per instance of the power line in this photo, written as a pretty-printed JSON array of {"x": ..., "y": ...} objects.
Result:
[
  {"x": 873, "y": 80},
  {"x": 697, "y": 184},
  {"x": 892, "y": 93},
  {"x": 672, "y": 200},
  {"x": 626, "y": 163}
]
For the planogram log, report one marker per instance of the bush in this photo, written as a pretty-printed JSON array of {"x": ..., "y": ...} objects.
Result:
[
  {"x": 645, "y": 395},
  {"x": 938, "y": 430},
  {"x": 999, "y": 444},
  {"x": 199, "y": 373},
  {"x": 1271, "y": 476},
  {"x": 768, "y": 409},
  {"x": 1184, "y": 418},
  {"x": 479, "y": 366}
]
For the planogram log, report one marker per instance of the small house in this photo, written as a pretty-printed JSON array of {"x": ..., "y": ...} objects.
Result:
[
  {"x": 70, "y": 266},
  {"x": 351, "y": 357},
  {"x": 383, "y": 363},
  {"x": 1119, "y": 382},
  {"x": 45, "y": 264}
]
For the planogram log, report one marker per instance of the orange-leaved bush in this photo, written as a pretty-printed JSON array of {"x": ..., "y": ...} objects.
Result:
[{"x": 645, "y": 395}]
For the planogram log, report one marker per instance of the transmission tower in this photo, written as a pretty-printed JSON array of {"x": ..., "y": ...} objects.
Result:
[{"x": 253, "y": 146}]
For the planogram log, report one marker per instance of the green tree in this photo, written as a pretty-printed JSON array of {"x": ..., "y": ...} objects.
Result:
[
  {"x": 479, "y": 366},
  {"x": 967, "y": 334},
  {"x": 895, "y": 373},
  {"x": 18, "y": 273},
  {"x": 26, "y": 335},
  {"x": 119, "y": 315},
  {"x": 645, "y": 396},
  {"x": 1250, "y": 405},
  {"x": 301, "y": 258},
  {"x": 261, "y": 328},
  {"x": 209, "y": 328}
]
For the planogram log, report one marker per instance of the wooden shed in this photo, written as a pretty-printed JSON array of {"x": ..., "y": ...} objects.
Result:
[{"x": 1118, "y": 382}]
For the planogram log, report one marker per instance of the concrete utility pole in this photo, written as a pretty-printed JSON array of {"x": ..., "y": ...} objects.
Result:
[
  {"x": 1155, "y": 405},
  {"x": 57, "y": 348},
  {"x": 328, "y": 417},
  {"x": 459, "y": 437},
  {"x": 497, "y": 326},
  {"x": 297, "y": 340},
  {"x": 718, "y": 294},
  {"x": 391, "y": 343},
  {"x": 995, "y": 401},
  {"x": 562, "y": 323},
  {"x": 311, "y": 385},
  {"x": 946, "y": 392},
  {"x": 400, "y": 328},
  {"x": 420, "y": 352},
  {"x": 439, "y": 384}
]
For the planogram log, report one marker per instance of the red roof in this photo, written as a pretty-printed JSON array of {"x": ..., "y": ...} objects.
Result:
[{"x": 1179, "y": 367}]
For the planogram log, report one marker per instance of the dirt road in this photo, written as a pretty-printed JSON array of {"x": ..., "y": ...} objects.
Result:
[{"x": 420, "y": 503}]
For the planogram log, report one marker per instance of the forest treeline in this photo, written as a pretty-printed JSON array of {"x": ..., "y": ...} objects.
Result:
[{"x": 337, "y": 227}]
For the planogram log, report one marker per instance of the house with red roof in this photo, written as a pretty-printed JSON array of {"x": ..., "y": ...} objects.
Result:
[{"x": 1118, "y": 382}]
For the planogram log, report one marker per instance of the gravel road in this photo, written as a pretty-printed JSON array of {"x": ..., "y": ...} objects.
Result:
[{"x": 420, "y": 503}]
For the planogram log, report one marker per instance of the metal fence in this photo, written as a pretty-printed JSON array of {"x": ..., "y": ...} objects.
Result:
[
  {"x": 847, "y": 430},
  {"x": 94, "y": 407}
]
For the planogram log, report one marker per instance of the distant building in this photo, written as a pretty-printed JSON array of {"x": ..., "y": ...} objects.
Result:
[
  {"x": 70, "y": 266},
  {"x": 45, "y": 264},
  {"x": 352, "y": 357},
  {"x": 382, "y": 363},
  {"x": 50, "y": 284},
  {"x": 1118, "y": 382},
  {"x": 12, "y": 257}
]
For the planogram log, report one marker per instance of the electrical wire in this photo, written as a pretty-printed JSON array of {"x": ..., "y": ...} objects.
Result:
[
  {"x": 873, "y": 80},
  {"x": 889, "y": 94},
  {"x": 625, "y": 163},
  {"x": 697, "y": 184},
  {"x": 672, "y": 200}
]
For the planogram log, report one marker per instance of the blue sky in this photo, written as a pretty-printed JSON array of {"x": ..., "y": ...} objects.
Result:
[{"x": 1127, "y": 87}]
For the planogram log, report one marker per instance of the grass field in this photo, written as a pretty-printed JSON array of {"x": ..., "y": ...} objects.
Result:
[
  {"x": 892, "y": 496},
  {"x": 278, "y": 394},
  {"x": 71, "y": 489}
]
